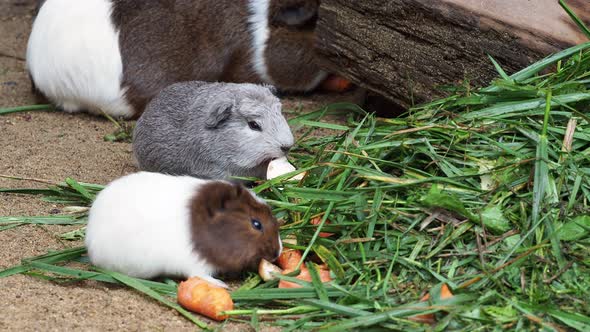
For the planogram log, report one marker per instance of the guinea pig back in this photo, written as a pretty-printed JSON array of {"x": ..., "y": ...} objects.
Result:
[{"x": 114, "y": 56}]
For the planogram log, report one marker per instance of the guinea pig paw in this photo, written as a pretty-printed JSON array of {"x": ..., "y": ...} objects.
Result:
[{"x": 215, "y": 282}]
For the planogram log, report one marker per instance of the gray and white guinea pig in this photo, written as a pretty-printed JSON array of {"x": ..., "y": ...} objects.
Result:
[
  {"x": 212, "y": 131},
  {"x": 114, "y": 55},
  {"x": 148, "y": 224}
]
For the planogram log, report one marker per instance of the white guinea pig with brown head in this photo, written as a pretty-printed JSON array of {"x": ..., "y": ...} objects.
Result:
[
  {"x": 149, "y": 224},
  {"x": 114, "y": 56}
]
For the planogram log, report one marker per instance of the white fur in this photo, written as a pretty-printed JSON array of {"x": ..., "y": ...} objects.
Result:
[
  {"x": 140, "y": 225},
  {"x": 74, "y": 58},
  {"x": 260, "y": 33}
]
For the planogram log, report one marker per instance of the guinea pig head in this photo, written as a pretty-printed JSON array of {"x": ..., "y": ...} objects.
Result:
[
  {"x": 231, "y": 228},
  {"x": 293, "y": 14},
  {"x": 250, "y": 129},
  {"x": 290, "y": 51}
]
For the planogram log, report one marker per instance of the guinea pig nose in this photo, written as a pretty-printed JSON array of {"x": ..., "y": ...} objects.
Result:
[{"x": 286, "y": 148}]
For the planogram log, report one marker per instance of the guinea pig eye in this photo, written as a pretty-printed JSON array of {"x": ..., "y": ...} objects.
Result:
[
  {"x": 257, "y": 224},
  {"x": 254, "y": 125}
]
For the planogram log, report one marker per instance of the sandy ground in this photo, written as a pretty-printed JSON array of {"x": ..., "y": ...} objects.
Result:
[{"x": 52, "y": 146}]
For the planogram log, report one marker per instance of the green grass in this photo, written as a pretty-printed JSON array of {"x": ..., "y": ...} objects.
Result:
[
  {"x": 45, "y": 107},
  {"x": 487, "y": 190}
]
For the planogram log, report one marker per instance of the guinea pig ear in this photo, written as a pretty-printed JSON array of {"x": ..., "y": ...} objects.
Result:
[
  {"x": 240, "y": 191},
  {"x": 217, "y": 195},
  {"x": 219, "y": 112},
  {"x": 297, "y": 16},
  {"x": 271, "y": 88}
]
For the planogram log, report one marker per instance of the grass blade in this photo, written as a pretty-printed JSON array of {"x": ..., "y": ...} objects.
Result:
[
  {"x": 575, "y": 18},
  {"x": 9, "y": 110},
  {"x": 138, "y": 286}
]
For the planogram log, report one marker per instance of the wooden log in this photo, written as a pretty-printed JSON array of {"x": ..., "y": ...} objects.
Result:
[{"x": 405, "y": 49}]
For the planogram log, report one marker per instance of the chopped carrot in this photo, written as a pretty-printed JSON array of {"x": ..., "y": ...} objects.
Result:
[
  {"x": 316, "y": 221},
  {"x": 303, "y": 275},
  {"x": 445, "y": 293},
  {"x": 335, "y": 83},
  {"x": 306, "y": 276},
  {"x": 289, "y": 259},
  {"x": 204, "y": 298},
  {"x": 426, "y": 318}
]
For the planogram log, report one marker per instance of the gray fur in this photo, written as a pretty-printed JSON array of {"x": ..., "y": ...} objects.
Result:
[{"x": 201, "y": 129}]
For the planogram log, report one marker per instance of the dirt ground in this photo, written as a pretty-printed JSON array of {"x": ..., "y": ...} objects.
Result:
[{"x": 52, "y": 146}]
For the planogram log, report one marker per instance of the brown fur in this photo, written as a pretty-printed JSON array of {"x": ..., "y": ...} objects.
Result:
[
  {"x": 168, "y": 41},
  {"x": 288, "y": 39},
  {"x": 294, "y": 14},
  {"x": 222, "y": 232}
]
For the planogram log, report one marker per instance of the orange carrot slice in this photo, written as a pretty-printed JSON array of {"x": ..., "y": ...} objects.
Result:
[
  {"x": 316, "y": 221},
  {"x": 426, "y": 319},
  {"x": 445, "y": 293},
  {"x": 304, "y": 275},
  {"x": 289, "y": 259},
  {"x": 335, "y": 83},
  {"x": 204, "y": 298}
]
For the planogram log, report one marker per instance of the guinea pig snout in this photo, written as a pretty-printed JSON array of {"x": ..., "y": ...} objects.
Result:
[{"x": 286, "y": 148}]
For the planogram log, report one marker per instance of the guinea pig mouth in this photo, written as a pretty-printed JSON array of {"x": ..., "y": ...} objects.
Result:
[{"x": 265, "y": 162}]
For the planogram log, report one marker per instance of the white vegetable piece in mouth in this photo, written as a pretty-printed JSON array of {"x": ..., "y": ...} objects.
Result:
[
  {"x": 280, "y": 166},
  {"x": 266, "y": 270}
]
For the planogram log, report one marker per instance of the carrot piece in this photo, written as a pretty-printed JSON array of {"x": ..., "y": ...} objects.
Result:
[
  {"x": 335, "y": 83},
  {"x": 209, "y": 300},
  {"x": 303, "y": 275},
  {"x": 316, "y": 221},
  {"x": 445, "y": 293},
  {"x": 426, "y": 319},
  {"x": 289, "y": 259},
  {"x": 306, "y": 276}
]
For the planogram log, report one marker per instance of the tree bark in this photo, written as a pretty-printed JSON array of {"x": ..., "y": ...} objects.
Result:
[{"x": 406, "y": 49}]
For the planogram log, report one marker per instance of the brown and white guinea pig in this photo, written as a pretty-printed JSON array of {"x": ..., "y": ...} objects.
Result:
[
  {"x": 114, "y": 56},
  {"x": 150, "y": 224}
]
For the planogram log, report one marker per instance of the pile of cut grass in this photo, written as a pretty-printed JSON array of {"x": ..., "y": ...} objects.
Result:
[{"x": 487, "y": 191}]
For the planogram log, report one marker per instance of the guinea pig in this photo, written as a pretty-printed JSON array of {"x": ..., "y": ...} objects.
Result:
[
  {"x": 147, "y": 225},
  {"x": 113, "y": 56},
  {"x": 212, "y": 131}
]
